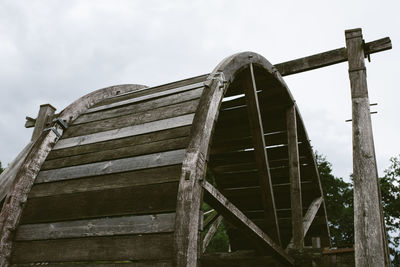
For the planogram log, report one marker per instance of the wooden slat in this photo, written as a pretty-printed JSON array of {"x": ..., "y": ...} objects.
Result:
[
  {"x": 137, "y": 247},
  {"x": 328, "y": 58},
  {"x": 148, "y": 263},
  {"x": 109, "y": 181},
  {"x": 235, "y": 216},
  {"x": 295, "y": 182},
  {"x": 127, "y": 131},
  {"x": 123, "y": 152},
  {"x": 151, "y": 90},
  {"x": 211, "y": 232},
  {"x": 126, "y": 225},
  {"x": 114, "y": 166},
  {"x": 132, "y": 119},
  {"x": 140, "y": 107},
  {"x": 146, "y": 97},
  {"x": 120, "y": 143},
  {"x": 146, "y": 199},
  {"x": 237, "y": 259}
]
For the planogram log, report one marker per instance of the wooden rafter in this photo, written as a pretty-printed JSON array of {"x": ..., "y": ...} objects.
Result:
[
  {"x": 329, "y": 58},
  {"x": 230, "y": 212},
  {"x": 211, "y": 232},
  {"x": 294, "y": 175},
  {"x": 253, "y": 109}
]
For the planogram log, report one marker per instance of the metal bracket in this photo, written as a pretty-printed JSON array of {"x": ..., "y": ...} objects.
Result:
[
  {"x": 218, "y": 76},
  {"x": 61, "y": 122},
  {"x": 53, "y": 129}
]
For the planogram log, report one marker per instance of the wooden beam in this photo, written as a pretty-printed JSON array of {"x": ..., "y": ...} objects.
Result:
[
  {"x": 370, "y": 237},
  {"x": 230, "y": 212},
  {"x": 211, "y": 232},
  {"x": 255, "y": 120},
  {"x": 329, "y": 58},
  {"x": 308, "y": 218},
  {"x": 43, "y": 120},
  {"x": 295, "y": 183}
]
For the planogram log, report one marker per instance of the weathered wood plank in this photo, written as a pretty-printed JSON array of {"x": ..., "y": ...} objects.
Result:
[
  {"x": 235, "y": 216},
  {"x": 120, "y": 143},
  {"x": 114, "y": 166},
  {"x": 211, "y": 232},
  {"x": 137, "y": 247},
  {"x": 132, "y": 119},
  {"x": 369, "y": 235},
  {"x": 311, "y": 213},
  {"x": 329, "y": 58},
  {"x": 295, "y": 182},
  {"x": 150, "y": 90},
  {"x": 237, "y": 259},
  {"x": 126, "y": 131},
  {"x": 43, "y": 120},
  {"x": 126, "y": 225},
  {"x": 145, "y": 199},
  {"x": 148, "y": 263},
  {"x": 123, "y": 152},
  {"x": 109, "y": 181},
  {"x": 140, "y": 107}
]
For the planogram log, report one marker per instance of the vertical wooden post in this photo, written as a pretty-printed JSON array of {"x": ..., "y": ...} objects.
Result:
[
  {"x": 369, "y": 233},
  {"x": 294, "y": 174},
  {"x": 46, "y": 111}
]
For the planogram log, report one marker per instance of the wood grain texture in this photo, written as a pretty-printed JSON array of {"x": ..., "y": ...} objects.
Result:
[
  {"x": 295, "y": 181},
  {"x": 108, "y": 181},
  {"x": 148, "y": 263},
  {"x": 111, "y": 226},
  {"x": 145, "y": 199},
  {"x": 123, "y": 152},
  {"x": 150, "y": 90},
  {"x": 136, "y": 247},
  {"x": 126, "y": 131},
  {"x": 369, "y": 236},
  {"x": 43, "y": 120},
  {"x": 132, "y": 119},
  {"x": 120, "y": 143},
  {"x": 113, "y": 166},
  {"x": 139, "y": 107},
  {"x": 211, "y": 232}
]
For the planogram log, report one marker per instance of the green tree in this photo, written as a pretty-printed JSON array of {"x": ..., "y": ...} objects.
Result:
[{"x": 339, "y": 205}]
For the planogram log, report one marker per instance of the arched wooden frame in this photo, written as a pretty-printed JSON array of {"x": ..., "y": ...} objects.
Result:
[
  {"x": 190, "y": 193},
  {"x": 28, "y": 164}
]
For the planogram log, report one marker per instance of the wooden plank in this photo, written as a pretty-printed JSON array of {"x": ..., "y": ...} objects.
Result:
[
  {"x": 114, "y": 166},
  {"x": 120, "y": 143},
  {"x": 295, "y": 182},
  {"x": 211, "y": 232},
  {"x": 109, "y": 181},
  {"x": 11, "y": 213},
  {"x": 369, "y": 236},
  {"x": 126, "y": 131},
  {"x": 235, "y": 216},
  {"x": 123, "y": 152},
  {"x": 140, "y": 107},
  {"x": 137, "y": 247},
  {"x": 126, "y": 225},
  {"x": 43, "y": 120},
  {"x": 132, "y": 119},
  {"x": 329, "y": 58},
  {"x": 149, "y": 263},
  {"x": 145, "y": 199},
  {"x": 237, "y": 259},
  {"x": 151, "y": 90}
]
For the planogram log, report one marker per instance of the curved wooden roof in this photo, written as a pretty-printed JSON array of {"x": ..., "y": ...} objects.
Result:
[{"x": 125, "y": 181}]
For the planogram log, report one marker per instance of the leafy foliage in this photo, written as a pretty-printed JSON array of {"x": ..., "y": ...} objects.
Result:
[{"x": 340, "y": 210}]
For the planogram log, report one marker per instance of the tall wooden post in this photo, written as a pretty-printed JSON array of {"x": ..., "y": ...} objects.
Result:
[
  {"x": 294, "y": 174},
  {"x": 46, "y": 111},
  {"x": 370, "y": 237}
]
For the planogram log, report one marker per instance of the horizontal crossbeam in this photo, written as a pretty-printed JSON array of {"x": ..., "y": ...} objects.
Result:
[
  {"x": 329, "y": 58},
  {"x": 230, "y": 212}
]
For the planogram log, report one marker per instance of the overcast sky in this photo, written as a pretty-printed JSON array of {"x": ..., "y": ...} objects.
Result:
[{"x": 57, "y": 51}]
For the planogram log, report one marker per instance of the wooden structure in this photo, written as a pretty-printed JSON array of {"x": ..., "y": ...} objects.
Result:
[{"x": 119, "y": 176}]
